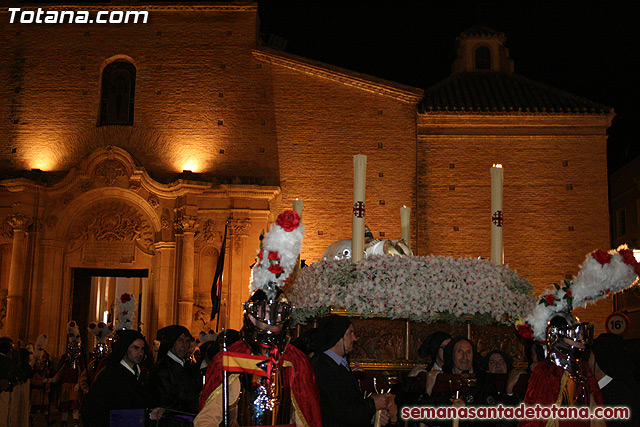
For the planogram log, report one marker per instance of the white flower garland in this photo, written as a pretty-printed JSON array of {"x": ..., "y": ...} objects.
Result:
[
  {"x": 125, "y": 308},
  {"x": 601, "y": 274},
  {"x": 426, "y": 289}
]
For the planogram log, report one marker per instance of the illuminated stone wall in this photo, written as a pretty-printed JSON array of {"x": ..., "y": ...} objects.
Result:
[
  {"x": 555, "y": 191},
  {"x": 276, "y": 127},
  {"x": 199, "y": 92}
]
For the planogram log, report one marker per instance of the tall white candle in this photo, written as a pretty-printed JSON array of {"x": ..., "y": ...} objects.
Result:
[
  {"x": 497, "y": 249},
  {"x": 405, "y": 224},
  {"x": 359, "y": 182},
  {"x": 297, "y": 206}
]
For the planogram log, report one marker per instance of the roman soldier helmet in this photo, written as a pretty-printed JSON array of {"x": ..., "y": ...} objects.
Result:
[
  {"x": 568, "y": 340},
  {"x": 74, "y": 344},
  {"x": 267, "y": 313},
  {"x": 101, "y": 330}
]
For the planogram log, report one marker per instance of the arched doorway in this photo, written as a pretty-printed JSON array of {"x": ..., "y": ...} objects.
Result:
[{"x": 95, "y": 294}]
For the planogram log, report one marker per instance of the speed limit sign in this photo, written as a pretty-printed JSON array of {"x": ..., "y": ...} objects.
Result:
[{"x": 617, "y": 323}]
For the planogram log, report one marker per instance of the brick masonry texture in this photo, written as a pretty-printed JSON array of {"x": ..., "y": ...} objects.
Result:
[{"x": 199, "y": 90}]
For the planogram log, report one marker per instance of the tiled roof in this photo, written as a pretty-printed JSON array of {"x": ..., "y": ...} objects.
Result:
[
  {"x": 503, "y": 92},
  {"x": 480, "y": 31}
]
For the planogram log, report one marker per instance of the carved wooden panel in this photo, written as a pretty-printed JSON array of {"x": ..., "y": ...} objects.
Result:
[{"x": 382, "y": 342}]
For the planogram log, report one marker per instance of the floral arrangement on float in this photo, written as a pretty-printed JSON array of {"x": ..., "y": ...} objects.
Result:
[
  {"x": 125, "y": 308},
  {"x": 425, "y": 289},
  {"x": 602, "y": 273}
]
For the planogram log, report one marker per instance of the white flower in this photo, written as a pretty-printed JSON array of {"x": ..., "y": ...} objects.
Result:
[{"x": 418, "y": 288}]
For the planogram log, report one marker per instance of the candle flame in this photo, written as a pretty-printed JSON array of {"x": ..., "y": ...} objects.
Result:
[{"x": 497, "y": 165}]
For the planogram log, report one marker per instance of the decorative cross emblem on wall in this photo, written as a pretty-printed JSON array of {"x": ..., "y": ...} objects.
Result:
[
  {"x": 358, "y": 209},
  {"x": 497, "y": 218}
]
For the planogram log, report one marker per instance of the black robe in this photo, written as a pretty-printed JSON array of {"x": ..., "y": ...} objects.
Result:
[
  {"x": 623, "y": 393},
  {"x": 115, "y": 388},
  {"x": 176, "y": 387},
  {"x": 341, "y": 400}
]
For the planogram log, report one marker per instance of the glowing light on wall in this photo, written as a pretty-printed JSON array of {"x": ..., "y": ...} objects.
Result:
[
  {"x": 43, "y": 161},
  {"x": 191, "y": 165}
]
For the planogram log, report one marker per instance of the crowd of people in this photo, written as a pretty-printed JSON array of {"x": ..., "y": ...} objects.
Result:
[
  {"x": 110, "y": 389},
  {"x": 94, "y": 386},
  {"x": 257, "y": 377}
]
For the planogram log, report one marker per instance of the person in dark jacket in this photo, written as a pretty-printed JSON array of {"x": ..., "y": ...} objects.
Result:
[
  {"x": 617, "y": 373},
  {"x": 121, "y": 390},
  {"x": 176, "y": 381},
  {"x": 341, "y": 399}
]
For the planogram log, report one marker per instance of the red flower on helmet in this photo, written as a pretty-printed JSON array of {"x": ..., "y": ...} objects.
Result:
[
  {"x": 274, "y": 256},
  {"x": 525, "y": 331},
  {"x": 549, "y": 299},
  {"x": 92, "y": 325},
  {"x": 289, "y": 220},
  {"x": 630, "y": 259},
  {"x": 101, "y": 325},
  {"x": 125, "y": 298},
  {"x": 276, "y": 269},
  {"x": 602, "y": 257}
]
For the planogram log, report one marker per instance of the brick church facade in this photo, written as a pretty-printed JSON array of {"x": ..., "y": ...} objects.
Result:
[{"x": 125, "y": 149}]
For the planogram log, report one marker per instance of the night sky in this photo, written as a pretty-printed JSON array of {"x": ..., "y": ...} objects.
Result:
[{"x": 583, "y": 47}]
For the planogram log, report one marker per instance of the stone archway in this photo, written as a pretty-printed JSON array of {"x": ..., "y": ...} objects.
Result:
[
  {"x": 108, "y": 213},
  {"x": 110, "y": 234}
]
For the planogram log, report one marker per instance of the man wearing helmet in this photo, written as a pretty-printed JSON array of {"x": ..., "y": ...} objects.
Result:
[
  {"x": 564, "y": 378},
  {"x": 280, "y": 388}
]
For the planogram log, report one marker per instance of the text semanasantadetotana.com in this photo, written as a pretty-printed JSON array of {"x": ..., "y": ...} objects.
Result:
[
  {"x": 521, "y": 412},
  {"x": 41, "y": 16}
]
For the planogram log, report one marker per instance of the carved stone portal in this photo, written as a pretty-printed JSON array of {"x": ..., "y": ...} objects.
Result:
[
  {"x": 113, "y": 221},
  {"x": 239, "y": 229},
  {"x": 209, "y": 232},
  {"x": 110, "y": 170}
]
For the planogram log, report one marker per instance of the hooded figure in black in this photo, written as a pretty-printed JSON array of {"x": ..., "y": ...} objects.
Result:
[
  {"x": 121, "y": 386},
  {"x": 341, "y": 399},
  {"x": 176, "y": 381},
  {"x": 617, "y": 372}
]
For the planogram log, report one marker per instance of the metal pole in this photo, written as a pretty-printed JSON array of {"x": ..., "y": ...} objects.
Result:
[{"x": 225, "y": 383}]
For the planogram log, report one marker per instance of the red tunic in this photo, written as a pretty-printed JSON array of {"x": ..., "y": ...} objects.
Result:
[
  {"x": 303, "y": 382},
  {"x": 544, "y": 389}
]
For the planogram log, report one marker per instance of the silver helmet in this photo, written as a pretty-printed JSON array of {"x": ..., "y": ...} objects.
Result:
[
  {"x": 266, "y": 320},
  {"x": 569, "y": 343}
]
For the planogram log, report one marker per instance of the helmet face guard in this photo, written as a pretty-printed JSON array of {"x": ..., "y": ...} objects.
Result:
[
  {"x": 100, "y": 350},
  {"x": 266, "y": 320},
  {"x": 569, "y": 343}
]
